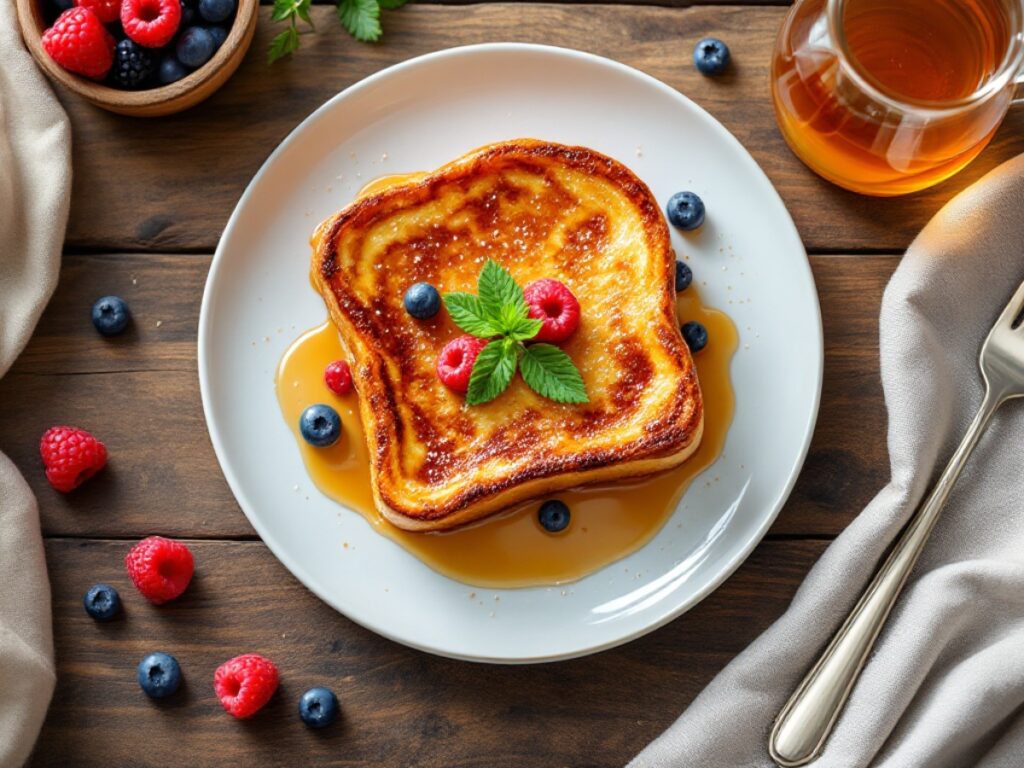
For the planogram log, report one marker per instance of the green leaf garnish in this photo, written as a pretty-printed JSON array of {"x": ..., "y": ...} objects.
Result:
[
  {"x": 390, "y": 5},
  {"x": 493, "y": 371},
  {"x": 525, "y": 329},
  {"x": 284, "y": 43},
  {"x": 361, "y": 18},
  {"x": 499, "y": 290},
  {"x": 551, "y": 373},
  {"x": 500, "y": 313},
  {"x": 467, "y": 312}
]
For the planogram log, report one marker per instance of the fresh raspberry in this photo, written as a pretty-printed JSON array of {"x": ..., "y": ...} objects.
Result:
[
  {"x": 338, "y": 377},
  {"x": 554, "y": 305},
  {"x": 71, "y": 456},
  {"x": 151, "y": 23},
  {"x": 455, "y": 363},
  {"x": 245, "y": 683},
  {"x": 106, "y": 11},
  {"x": 159, "y": 568},
  {"x": 79, "y": 43}
]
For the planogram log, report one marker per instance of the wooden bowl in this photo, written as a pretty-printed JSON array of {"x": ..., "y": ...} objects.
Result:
[{"x": 162, "y": 100}]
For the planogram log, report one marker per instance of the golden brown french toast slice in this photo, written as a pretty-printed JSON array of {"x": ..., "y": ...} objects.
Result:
[{"x": 540, "y": 210}]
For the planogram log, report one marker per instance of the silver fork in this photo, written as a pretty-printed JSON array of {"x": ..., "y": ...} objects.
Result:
[{"x": 805, "y": 722}]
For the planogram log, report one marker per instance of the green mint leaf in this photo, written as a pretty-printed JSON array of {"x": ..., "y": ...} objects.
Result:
[
  {"x": 497, "y": 290},
  {"x": 284, "y": 43},
  {"x": 492, "y": 371},
  {"x": 282, "y": 10},
  {"x": 361, "y": 18},
  {"x": 390, "y": 5},
  {"x": 525, "y": 329},
  {"x": 302, "y": 9},
  {"x": 467, "y": 313},
  {"x": 550, "y": 372}
]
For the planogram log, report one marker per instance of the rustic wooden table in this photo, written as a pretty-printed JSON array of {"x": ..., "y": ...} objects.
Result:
[{"x": 150, "y": 198}]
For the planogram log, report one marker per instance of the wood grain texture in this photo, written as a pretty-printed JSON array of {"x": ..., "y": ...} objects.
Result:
[
  {"x": 400, "y": 707},
  {"x": 170, "y": 184},
  {"x": 140, "y": 393}
]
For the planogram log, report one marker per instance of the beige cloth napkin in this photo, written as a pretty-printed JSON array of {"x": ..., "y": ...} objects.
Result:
[
  {"x": 35, "y": 185},
  {"x": 945, "y": 686}
]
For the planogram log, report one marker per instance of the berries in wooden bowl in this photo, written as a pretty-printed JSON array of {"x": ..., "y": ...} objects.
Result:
[{"x": 139, "y": 57}]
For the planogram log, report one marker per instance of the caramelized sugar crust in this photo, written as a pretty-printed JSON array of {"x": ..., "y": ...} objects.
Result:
[{"x": 540, "y": 210}]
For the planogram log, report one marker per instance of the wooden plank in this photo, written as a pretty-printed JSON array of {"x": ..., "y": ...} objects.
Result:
[
  {"x": 137, "y": 182},
  {"x": 401, "y": 707},
  {"x": 140, "y": 393}
]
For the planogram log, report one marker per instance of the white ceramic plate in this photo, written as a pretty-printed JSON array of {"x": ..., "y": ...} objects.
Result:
[{"x": 747, "y": 259}]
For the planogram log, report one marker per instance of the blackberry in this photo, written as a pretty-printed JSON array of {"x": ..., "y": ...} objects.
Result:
[{"x": 133, "y": 65}]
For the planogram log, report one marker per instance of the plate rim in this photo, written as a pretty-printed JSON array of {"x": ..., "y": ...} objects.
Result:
[{"x": 205, "y": 332}]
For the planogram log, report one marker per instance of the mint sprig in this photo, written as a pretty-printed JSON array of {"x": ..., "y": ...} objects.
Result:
[
  {"x": 499, "y": 312},
  {"x": 360, "y": 18}
]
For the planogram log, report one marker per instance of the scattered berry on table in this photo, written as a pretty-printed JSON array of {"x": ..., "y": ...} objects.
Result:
[
  {"x": 554, "y": 516},
  {"x": 338, "y": 377},
  {"x": 695, "y": 335},
  {"x": 159, "y": 675},
  {"x": 553, "y": 304},
  {"x": 110, "y": 314},
  {"x": 171, "y": 70},
  {"x": 219, "y": 34},
  {"x": 684, "y": 276},
  {"x": 71, "y": 456},
  {"x": 102, "y": 602},
  {"x": 685, "y": 210},
  {"x": 320, "y": 425},
  {"x": 216, "y": 10},
  {"x": 133, "y": 66},
  {"x": 79, "y": 43},
  {"x": 711, "y": 56},
  {"x": 455, "y": 363},
  {"x": 160, "y": 568},
  {"x": 195, "y": 47},
  {"x": 105, "y": 10},
  {"x": 318, "y": 707},
  {"x": 245, "y": 684},
  {"x": 151, "y": 23},
  {"x": 422, "y": 301}
]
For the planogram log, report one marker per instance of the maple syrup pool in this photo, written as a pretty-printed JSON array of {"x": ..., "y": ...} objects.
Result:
[{"x": 511, "y": 549}]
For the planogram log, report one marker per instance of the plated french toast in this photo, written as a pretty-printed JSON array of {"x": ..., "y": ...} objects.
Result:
[{"x": 541, "y": 211}]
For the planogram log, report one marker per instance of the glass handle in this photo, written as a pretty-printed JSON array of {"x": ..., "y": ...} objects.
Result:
[{"x": 1018, "y": 91}]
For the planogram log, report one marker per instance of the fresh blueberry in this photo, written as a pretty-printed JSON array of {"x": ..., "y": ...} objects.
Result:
[
  {"x": 684, "y": 276},
  {"x": 216, "y": 10},
  {"x": 685, "y": 210},
  {"x": 220, "y": 34},
  {"x": 695, "y": 335},
  {"x": 195, "y": 47},
  {"x": 188, "y": 16},
  {"x": 320, "y": 425},
  {"x": 171, "y": 70},
  {"x": 318, "y": 707},
  {"x": 422, "y": 301},
  {"x": 133, "y": 65},
  {"x": 110, "y": 315},
  {"x": 159, "y": 675},
  {"x": 102, "y": 602},
  {"x": 711, "y": 56},
  {"x": 554, "y": 516}
]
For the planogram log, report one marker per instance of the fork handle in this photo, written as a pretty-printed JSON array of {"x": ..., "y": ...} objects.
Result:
[{"x": 805, "y": 722}]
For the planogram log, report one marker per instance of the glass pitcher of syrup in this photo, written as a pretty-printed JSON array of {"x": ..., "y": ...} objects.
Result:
[{"x": 886, "y": 97}]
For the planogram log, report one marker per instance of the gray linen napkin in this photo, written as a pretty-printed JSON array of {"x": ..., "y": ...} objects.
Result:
[
  {"x": 35, "y": 184},
  {"x": 945, "y": 686}
]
